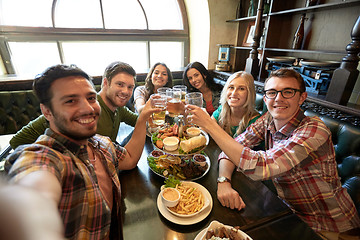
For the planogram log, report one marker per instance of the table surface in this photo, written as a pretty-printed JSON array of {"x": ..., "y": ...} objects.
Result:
[{"x": 264, "y": 217}]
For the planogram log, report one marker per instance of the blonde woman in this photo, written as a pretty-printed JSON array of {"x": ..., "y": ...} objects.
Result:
[
  {"x": 234, "y": 115},
  {"x": 237, "y": 109}
]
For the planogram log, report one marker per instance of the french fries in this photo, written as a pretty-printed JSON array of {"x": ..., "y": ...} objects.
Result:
[{"x": 191, "y": 200}]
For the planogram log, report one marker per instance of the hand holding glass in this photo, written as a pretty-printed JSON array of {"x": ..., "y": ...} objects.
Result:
[{"x": 158, "y": 101}]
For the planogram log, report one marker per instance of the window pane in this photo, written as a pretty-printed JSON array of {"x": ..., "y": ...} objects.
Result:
[
  {"x": 93, "y": 57},
  {"x": 123, "y": 14},
  {"x": 31, "y": 59},
  {"x": 163, "y": 14},
  {"x": 18, "y": 13},
  {"x": 78, "y": 14},
  {"x": 170, "y": 53}
]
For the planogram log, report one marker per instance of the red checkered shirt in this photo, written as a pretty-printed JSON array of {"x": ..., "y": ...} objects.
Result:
[
  {"x": 300, "y": 160},
  {"x": 82, "y": 206}
]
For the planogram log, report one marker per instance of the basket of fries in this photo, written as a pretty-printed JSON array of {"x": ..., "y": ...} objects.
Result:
[{"x": 192, "y": 201}]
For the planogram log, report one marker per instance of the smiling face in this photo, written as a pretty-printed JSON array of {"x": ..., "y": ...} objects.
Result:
[
  {"x": 159, "y": 77},
  {"x": 237, "y": 93},
  {"x": 195, "y": 78},
  {"x": 118, "y": 92},
  {"x": 74, "y": 109},
  {"x": 280, "y": 108}
]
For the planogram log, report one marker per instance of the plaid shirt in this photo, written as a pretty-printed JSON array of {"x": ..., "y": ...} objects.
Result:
[
  {"x": 300, "y": 160},
  {"x": 82, "y": 207}
]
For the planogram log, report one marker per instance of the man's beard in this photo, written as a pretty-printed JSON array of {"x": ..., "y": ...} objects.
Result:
[{"x": 59, "y": 123}]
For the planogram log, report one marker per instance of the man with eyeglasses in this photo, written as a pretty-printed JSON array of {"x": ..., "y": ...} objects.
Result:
[
  {"x": 117, "y": 87},
  {"x": 299, "y": 158}
]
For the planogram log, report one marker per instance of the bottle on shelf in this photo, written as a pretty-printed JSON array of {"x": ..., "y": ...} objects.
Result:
[
  {"x": 299, "y": 34},
  {"x": 311, "y": 3},
  {"x": 252, "y": 8},
  {"x": 266, "y": 7}
]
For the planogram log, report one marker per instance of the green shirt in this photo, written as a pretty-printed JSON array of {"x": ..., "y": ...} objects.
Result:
[
  {"x": 29, "y": 133},
  {"x": 216, "y": 115}
]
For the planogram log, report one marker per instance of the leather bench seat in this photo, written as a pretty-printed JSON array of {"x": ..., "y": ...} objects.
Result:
[{"x": 17, "y": 108}]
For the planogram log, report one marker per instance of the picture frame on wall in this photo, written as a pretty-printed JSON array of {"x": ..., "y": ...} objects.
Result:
[{"x": 249, "y": 34}]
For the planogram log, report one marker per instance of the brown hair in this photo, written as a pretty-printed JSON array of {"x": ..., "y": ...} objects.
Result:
[{"x": 288, "y": 73}]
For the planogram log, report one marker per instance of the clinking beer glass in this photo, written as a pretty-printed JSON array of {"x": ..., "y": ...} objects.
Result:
[
  {"x": 174, "y": 105},
  {"x": 158, "y": 101},
  {"x": 193, "y": 98}
]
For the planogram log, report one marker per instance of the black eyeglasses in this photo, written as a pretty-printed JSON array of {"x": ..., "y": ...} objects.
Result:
[{"x": 285, "y": 93}]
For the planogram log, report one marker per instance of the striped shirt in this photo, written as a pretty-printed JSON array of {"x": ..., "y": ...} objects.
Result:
[
  {"x": 300, "y": 160},
  {"x": 85, "y": 213}
]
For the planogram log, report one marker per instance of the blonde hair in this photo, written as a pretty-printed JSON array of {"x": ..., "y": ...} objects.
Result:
[{"x": 250, "y": 112}]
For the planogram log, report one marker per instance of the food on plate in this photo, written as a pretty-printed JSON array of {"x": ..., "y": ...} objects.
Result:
[
  {"x": 199, "y": 159},
  {"x": 156, "y": 153},
  {"x": 171, "y": 143},
  {"x": 170, "y": 197},
  {"x": 192, "y": 143},
  {"x": 224, "y": 233},
  {"x": 193, "y": 131},
  {"x": 191, "y": 200},
  {"x": 179, "y": 167},
  {"x": 173, "y": 131}
]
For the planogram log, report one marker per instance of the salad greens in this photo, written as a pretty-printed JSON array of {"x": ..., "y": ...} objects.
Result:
[
  {"x": 172, "y": 182},
  {"x": 152, "y": 165}
]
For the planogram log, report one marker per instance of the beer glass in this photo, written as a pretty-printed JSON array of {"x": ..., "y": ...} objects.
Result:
[
  {"x": 174, "y": 105},
  {"x": 183, "y": 91},
  {"x": 194, "y": 98},
  {"x": 162, "y": 90},
  {"x": 158, "y": 101}
]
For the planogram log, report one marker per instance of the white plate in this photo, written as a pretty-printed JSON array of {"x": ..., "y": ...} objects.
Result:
[
  {"x": 315, "y": 63},
  {"x": 189, "y": 220},
  {"x": 215, "y": 224},
  {"x": 189, "y": 179},
  {"x": 284, "y": 59},
  {"x": 206, "y": 201},
  {"x": 176, "y": 152}
]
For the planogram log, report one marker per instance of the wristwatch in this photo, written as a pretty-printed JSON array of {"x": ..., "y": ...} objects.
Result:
[{"x": 223, "y": 179}]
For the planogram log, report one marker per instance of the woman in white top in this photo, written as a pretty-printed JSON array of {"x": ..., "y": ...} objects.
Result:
[{"x": 159, "y": 76}]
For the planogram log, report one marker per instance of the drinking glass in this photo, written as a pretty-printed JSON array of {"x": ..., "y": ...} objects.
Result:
[
  {"x": 174, "y": 105},
  {"x": 162, "y": 90},
  {"x": 158, "y": 101},
  {"x": 183, "y": 91},
  {"x": 194, "y": 98}
]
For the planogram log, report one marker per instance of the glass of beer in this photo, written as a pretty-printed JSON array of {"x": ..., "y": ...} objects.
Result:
[
  {"x": 163, "y": 90},
  {"x": 174, "y": 105},
  {"x": 158, "y": 101},
  {"x": 194, "y": 98},
  {"x": 183, "y": 91}
]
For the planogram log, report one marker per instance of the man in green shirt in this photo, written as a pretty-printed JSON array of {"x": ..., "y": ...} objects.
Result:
[{"x": 116, "y": 89}]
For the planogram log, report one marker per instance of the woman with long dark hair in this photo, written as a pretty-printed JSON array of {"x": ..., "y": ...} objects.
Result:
[{"x": 198, "y": 79}]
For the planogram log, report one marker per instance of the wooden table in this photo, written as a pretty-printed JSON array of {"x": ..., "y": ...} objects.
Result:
[{"x": 265, "y": 215}]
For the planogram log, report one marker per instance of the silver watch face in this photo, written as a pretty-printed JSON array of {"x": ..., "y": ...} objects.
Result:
[{"x": 221, "y": 179}]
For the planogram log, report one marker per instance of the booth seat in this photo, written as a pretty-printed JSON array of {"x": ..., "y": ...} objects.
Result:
[
  {"x": 17, "y": 108},
  {"x": 346, "y": 139}
]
